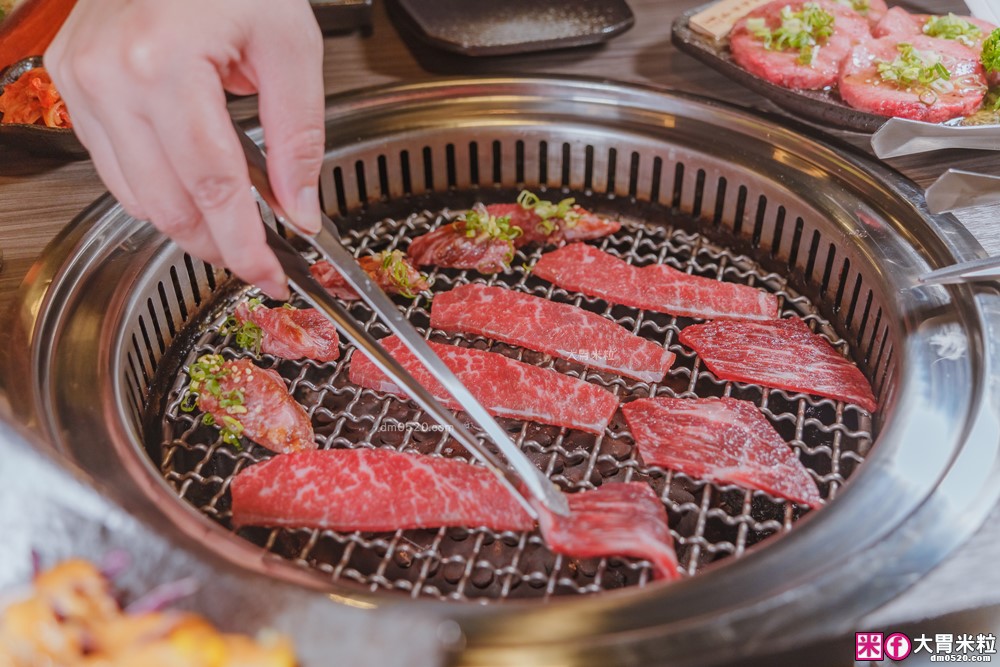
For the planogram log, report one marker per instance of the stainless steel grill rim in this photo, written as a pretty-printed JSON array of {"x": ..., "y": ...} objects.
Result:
[{"x": 106, "y": 270}]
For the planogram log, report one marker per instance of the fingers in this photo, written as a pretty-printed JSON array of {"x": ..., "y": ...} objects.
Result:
[
  {"x": 88, "y": 130},
  {"x": 205, "y": 154},
  {"x": 148, "y": 102},
  {"x": 236, "y": 80},
  {"x": 289, "y": 66},
  {"x": 163, "y": 195},
  {"x": 132, "y": 165},
  {"x": 96, "y": 140}
]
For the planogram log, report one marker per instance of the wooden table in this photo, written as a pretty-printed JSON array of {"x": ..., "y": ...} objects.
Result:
[{"x": 39, "y": 196}]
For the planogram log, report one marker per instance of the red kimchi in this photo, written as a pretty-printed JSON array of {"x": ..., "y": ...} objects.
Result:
[{"x": 34, "y": 100}]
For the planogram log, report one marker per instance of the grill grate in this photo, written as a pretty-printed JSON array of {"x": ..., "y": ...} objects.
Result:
[{"x": 709, "y": 522}]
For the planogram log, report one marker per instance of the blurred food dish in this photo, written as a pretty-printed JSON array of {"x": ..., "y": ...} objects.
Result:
[
  {"x": 71, "y": 617},
  {"x": 850, "y": 64},
  {"x": 32, "y": 99},
  {"x": 36, "y": 119},
  {"x": 516, "y": 26}
]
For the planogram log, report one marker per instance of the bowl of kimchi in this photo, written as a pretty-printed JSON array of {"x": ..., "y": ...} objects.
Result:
[{"x": 33, "y": 115}]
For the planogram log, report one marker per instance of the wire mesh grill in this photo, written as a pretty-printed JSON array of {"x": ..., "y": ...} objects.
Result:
[{"x": 709, "y": 522}]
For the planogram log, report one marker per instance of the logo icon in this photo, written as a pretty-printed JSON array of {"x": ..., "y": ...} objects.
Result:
[
  {"x": 897, "y": 646},
  {"x": 868, "y": 646}
]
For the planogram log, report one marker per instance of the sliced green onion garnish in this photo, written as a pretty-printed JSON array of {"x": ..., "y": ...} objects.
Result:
[
  {"x": 549, "y": 212},
  {"x": 247, "y": 335},
  {"x": 953, "y": 27},
  {"x": 479, "y": 223},
  {"x": 395, "y": 265},
  {"x": 921, "y": 71},
  {"x": 206, "y": 374},
  {"x": 804, "y": 30}
]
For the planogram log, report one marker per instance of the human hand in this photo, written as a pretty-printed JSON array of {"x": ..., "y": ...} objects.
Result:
[{"x": 145, "y": 82}]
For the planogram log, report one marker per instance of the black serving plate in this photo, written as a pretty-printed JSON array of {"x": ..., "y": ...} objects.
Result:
[
  {"x": 823, "y": 107},
  {"x": 37, "y": 139},
  {"x": 343, "y": 15},
  {"x": 515, "y": 26}
]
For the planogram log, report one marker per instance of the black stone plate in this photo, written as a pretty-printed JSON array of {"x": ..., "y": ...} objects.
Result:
[
  {"x": 343, "y": 15},
  {"x": 823, "y": 107},
  {"x": 515, "y": 26},
  {"x": 37, "y": 139}
]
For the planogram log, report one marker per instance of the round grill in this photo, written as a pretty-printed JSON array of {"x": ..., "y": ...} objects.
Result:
[{"x": 114, "y": 312}]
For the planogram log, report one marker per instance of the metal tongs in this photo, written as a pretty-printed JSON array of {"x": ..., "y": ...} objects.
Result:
[
  {"x": 954, "y": 189},
  {"x": 524, "y": 480},
  {"x": 957, "y": 189},
  {"x": 899, "y": 136}
]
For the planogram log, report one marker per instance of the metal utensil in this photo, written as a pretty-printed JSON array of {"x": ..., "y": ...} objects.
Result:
[
  {"x": 900, "y": 506},
  {"x": 899, "y": 136},
  {"x": 327, "y": 243},
  {"x": 964, "y": 272},
  {"x": 956, "y": 189}
]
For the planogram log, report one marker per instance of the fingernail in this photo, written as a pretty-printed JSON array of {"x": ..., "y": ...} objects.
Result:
[
  {"x": 276, "y": 289},
  {"x": 308, "y": 209}
]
